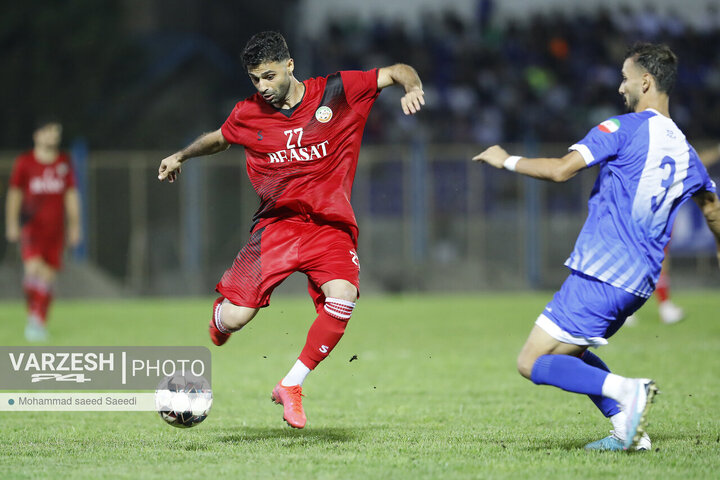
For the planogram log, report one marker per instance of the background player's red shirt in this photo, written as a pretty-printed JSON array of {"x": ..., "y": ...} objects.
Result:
[
  {"x": 43, "y": 187},
  {"x": 302, "y": 161}
]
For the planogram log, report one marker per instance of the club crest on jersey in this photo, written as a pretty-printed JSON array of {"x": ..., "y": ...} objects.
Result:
[
  {"x": 62, "y": 169},
  {"x": 323, "y": 114},
  {"x": 610, "y": 126}
]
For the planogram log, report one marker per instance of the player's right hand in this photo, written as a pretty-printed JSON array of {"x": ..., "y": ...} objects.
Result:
[
  {"x": 170, "y": 168},
  {"x": 494, "y": 156}
]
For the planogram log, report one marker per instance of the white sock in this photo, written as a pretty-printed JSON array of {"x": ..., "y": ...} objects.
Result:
[
  {"x": 618, "y": 422},
  {"x": 296, "y": 375},
  {"x": 615, "y": 387}
]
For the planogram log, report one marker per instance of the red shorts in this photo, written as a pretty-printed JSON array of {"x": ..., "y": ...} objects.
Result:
[
  {"x": 274, "y": 252},
  {"x": 47, "y": 247}
]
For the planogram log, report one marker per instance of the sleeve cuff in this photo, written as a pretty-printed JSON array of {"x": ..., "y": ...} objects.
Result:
[
  {"x": 584, "y": 151},
  {"x": 225, "y": 133}
]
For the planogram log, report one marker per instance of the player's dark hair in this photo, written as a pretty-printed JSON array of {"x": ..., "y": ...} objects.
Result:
[
  {"x": 265, "y": 47},
  {"x": 46, "y": 119},
  {"x": 658, "y": 60}
]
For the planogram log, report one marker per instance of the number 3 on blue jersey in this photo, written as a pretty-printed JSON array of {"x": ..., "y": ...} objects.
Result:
[
  {"x": 659, "y": 186},
  {"x": 666, "y": 164}
]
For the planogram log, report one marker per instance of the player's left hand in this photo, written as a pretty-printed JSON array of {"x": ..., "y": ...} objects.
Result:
[
  {"x": 495, "y": 156},
  {"x": 169, "y": 168},
  {"x": 411, "y": 102}
]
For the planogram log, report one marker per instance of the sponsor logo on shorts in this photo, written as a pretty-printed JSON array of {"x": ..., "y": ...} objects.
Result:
[{"x": 354, "y": 258}]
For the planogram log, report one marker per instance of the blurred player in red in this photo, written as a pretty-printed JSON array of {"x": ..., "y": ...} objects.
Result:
[
  {"x": 41, "y": 197},
  {"x": 302, "y": 141},
  {"x": 668, "y": 311}
]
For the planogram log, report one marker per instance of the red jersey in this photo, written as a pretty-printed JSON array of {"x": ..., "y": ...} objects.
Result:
[
  {"x": 43, "y": 187},
  {"x": 302, "y": 161}
]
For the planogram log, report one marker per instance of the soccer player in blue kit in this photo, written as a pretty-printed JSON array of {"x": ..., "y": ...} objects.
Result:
[{"x": 647, "y": 170}]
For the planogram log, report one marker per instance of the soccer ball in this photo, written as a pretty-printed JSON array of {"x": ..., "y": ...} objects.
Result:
[{"x": 183, "y": 401}]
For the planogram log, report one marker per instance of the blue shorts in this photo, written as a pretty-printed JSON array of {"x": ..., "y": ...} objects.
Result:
[{"x": 586, "y": 308}]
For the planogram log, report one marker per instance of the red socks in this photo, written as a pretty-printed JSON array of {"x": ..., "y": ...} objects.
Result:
[
  {"x": 326, "y": 331},
  {"x": 44, "y": 298},
  {"x": 663, "y": 287},
  {"x": 38, "y": 295}
]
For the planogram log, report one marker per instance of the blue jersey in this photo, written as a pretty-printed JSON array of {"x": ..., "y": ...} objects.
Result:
[{"x": 647, "y": 170}]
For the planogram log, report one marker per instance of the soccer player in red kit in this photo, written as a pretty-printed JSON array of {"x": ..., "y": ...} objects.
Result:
[
  {"x": 302, "y": 141},
  {"x": 41, "y": 196}
]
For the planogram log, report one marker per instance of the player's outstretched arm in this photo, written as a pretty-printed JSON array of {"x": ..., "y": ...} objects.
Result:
[
  {"x": 407, "y": 77},
  {"x": 553, "y": 169},
  {"x": 206, "y": 144},
  {"x": 12, "y": 214},
  {"x": 710, "y": 206}
]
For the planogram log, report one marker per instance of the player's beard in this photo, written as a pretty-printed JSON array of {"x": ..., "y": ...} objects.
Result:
[
  {"x": 631, "y": 102},
  {"x": 280, "y": 95}
]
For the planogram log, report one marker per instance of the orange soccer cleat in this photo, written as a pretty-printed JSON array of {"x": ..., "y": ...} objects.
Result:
[
  {"x": 291, "y": 400},
  {"x": 217, "y": 337}
]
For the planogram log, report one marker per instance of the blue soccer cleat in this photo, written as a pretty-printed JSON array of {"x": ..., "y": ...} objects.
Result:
[
  {"x": 612, "y": 443},
  {"x": 637, "y": 409},
  {"x": 35, "y": 330}
]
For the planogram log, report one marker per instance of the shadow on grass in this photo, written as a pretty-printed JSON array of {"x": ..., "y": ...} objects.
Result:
[
  {"x": 571, "y": 445},
  {"x": 544, "y": 443},
  {"x": 291, "y": 435},
  {"x": 550, "y": 445}
]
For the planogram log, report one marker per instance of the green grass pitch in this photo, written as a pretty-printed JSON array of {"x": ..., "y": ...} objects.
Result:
[{"x": 433, "y": 394}]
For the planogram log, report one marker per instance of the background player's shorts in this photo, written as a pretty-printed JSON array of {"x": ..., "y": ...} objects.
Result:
[
  {"x": 586, "y": 311},
  {"x": 274, "y": 252},
  {"x": 47, "y": 247}
]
